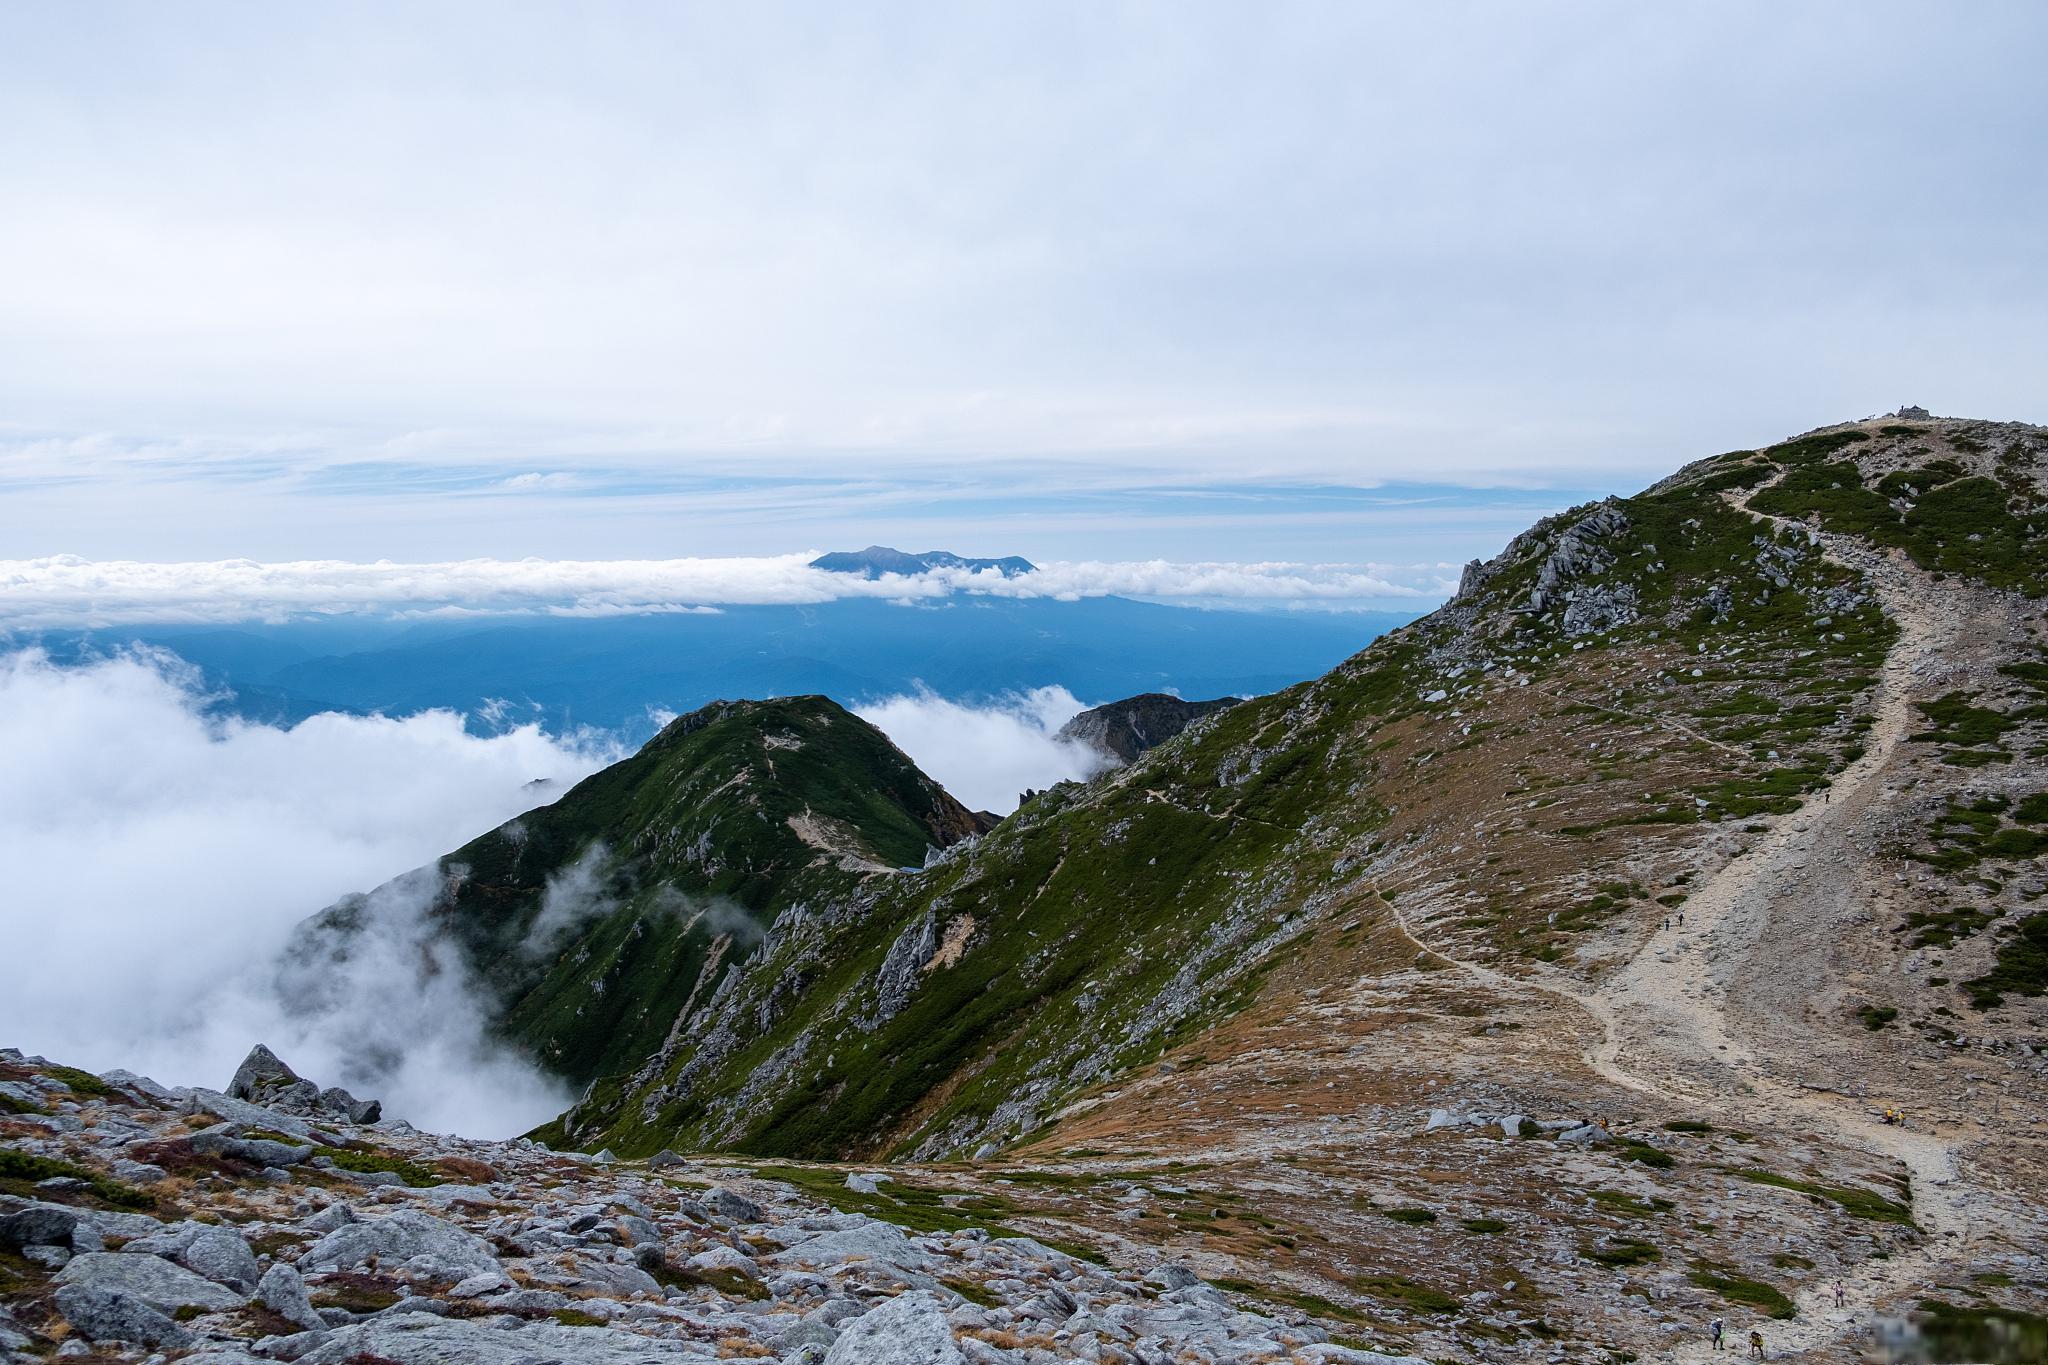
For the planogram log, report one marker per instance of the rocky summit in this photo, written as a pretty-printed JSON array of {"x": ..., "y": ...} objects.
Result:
[{"x": 1651, "y": 937}]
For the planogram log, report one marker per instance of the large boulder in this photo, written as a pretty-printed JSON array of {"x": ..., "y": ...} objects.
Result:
[
  {"x": 46, "y": 1225},
  {"x": 399, "y": 1237},
  {"x": 731, "y": 1204},
  {"x": 869, "y": 1241},
  {"x": 223, "y": 1257},
  {"x": 163, "y": 1285},
  {"x": 423, "y": 1339},
  {"x": 284, "y": 1293},
  {"x": 910, "y": 1329},
  {"x": 108, "y": 1315}
]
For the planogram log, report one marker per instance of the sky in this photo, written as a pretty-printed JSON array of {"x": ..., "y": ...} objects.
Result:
[{"x": 1326, "y": 284}]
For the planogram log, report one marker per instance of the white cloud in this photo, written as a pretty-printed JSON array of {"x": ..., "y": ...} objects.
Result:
[
  {"x": 987, "y": 755},
  {"x": 157, "y": 861},
  {"x": 66, "y": 590},
  {"x": 540, "y": 483}
]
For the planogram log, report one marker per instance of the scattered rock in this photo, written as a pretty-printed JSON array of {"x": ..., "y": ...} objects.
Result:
[{"x": 109, "y": 1315}]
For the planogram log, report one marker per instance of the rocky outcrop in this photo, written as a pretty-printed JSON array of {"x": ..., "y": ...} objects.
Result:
[
  {"x": 263, "y": 1078},
  {"x": 1121, "y": 730}
]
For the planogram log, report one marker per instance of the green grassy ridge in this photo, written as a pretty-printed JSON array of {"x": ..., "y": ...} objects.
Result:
[{"x": 693, "y": 827}]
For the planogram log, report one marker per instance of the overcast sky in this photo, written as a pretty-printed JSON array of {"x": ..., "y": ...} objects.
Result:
[{"x": 1222, "y": 282}]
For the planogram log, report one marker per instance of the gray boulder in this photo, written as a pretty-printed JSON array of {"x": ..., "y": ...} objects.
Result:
[
  {"x": 870, "y": 1241},
  {"x": 223, "y": 1257},
  {"x": 341, "y": 1104},
  {"x": 728, "y": 1204},
  {"x": 139, "y": 1085},
  {"x": 284, "y": 1293},
  {"x": 163, "y": 1285},
  {"x": 908, "y": 1330},
  {"x": 45, "y": 1225},
  {"x": 399, "y": 1237},
  {"x": 1172, "y": 1275},
  {"x": 108, "y": 1315},
  {"x": 423, "y": 1339},
  {"x": 335, "y": 1215}
]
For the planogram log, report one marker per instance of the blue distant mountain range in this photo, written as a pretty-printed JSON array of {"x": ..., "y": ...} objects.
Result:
[
  {"x": 622, "y": 673},
  {"x": 877, "y": 560}
]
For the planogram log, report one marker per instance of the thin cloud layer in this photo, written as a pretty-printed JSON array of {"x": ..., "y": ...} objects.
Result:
[
  {"x": 158, "y": 862},
  {"x": 66, "y": 590}
]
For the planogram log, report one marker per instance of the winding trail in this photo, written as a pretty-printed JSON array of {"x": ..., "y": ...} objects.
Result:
[{"x": 1664, "y": 1024}]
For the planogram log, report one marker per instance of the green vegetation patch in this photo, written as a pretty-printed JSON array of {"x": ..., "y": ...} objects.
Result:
[
  {"x": 1957, "y": 721},
  {"x": 2000, "y": 1336},
  {"x": 1413, "y": 1217},
  {"x": 2021, "y": 967},
  {"x": 1642, "y": 1152},
  {"x": 1968, "y": 526},
  {"x": 916, "y": 1207},
  {"x": 1853, "y": 1200},
  {"x": 1738, "y": 1289},
  {"x": 1625, "y": 1252},
  {"x": 82, "y": 1082},
  {"x": 1875, "y": 1017},
  {"x": 365, "y": 1160},
  {"x": 1395, "y": 1289},
  {"x": 1482, "y": 1227},
  {"x": 19, "y": 1171},
  {"x": 1633, "y": 1205},
  {"x": 1306, "y": 1302}
]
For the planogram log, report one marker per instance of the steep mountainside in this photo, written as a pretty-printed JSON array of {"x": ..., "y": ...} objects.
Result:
[
  {"x": 1124, "y": 729},
  {"x": 603, "y": 919},
  {"x": 1607, "y": 908}
]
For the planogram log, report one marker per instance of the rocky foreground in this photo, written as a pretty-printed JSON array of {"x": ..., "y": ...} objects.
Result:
[{"x": 139, "y": 1222}]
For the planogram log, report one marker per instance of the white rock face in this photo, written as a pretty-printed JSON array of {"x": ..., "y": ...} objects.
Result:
[{"x": 908, "y": 1330}]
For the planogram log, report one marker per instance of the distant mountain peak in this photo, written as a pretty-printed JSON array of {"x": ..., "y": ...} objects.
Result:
[{"x": 877, "y": 560}]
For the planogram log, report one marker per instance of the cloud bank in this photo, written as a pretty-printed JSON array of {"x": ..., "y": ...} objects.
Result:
[
  {"x": 987, "y": 755},
  {"x": 65, "y": 590},
  {"x": 158, "y": 861}
]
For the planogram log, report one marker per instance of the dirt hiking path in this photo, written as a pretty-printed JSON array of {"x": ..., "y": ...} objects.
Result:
[{"x": 1670, "y": 1025}]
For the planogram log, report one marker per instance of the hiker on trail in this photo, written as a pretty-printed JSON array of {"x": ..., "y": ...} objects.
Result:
[
  {"x": 1840, "y": 1293},
  {"x": 1667, "y": 921},
  {"x": 1756, "y": 1345},
  {"x": 1891, "y": 1116},
  {"x": 1714, "y": 1330},
  {"x": 1681, "y": 919}
]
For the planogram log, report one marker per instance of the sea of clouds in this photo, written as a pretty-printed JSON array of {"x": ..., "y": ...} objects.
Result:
[
  {"x": 160, "y": 857},
  {"x": 65, "y": 590}
]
